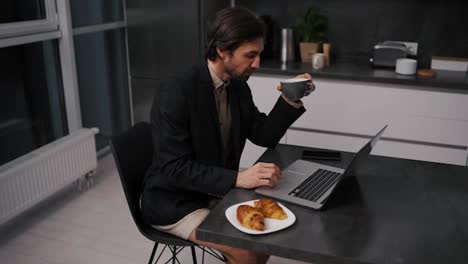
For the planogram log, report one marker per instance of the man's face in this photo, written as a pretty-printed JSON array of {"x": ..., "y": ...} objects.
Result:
[{"x": 241, "y": 63}]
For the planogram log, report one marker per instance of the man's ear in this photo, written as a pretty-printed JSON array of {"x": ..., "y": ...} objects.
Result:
[{"x": 221, "y": 54}]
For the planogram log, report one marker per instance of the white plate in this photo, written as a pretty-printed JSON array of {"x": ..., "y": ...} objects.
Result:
[{"x": 271, "y": 225}]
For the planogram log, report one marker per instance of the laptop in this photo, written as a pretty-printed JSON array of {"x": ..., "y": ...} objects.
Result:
[{"x": 310, "y": 184}]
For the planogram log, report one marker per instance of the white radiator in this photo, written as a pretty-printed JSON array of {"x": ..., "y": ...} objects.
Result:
[{"x": 28, "y": 180}]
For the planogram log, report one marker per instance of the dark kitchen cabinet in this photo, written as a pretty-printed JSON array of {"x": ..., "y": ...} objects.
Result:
[
  {"x": 167, "y": 35},
  {"x": 164, "y": 37}
]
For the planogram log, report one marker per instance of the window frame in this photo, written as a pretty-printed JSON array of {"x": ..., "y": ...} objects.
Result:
[{"x": 50, "y": 23}]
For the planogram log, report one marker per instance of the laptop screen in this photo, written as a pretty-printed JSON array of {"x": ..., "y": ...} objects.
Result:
[{"x": 361, "y": 156}]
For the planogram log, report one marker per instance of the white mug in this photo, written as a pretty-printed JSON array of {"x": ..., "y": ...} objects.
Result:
[
  {"x": 318, "y": 61},
  {"x": 406, "y": 66}
]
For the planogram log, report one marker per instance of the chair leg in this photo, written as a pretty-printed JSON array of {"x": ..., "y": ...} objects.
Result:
[
  {"x": 203, "y": 255},
  {"x": 175, "y": 251},
  {"x": 152, "y": 253},
  {"x": 219, "y": 256},
  {"x": 174, "y": 254},
  {"x": 194, "y": 257}
]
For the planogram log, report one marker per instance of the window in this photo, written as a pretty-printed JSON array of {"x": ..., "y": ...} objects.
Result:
[
  {"x": 92, "y": 12},
  {"x": 16, "y": 11},
  {"x": 20, "y": 17},
  {"x": 99, "y": 30},
  {"x": 49, "y": 87},
  {"x": 101, "y": 65},
  {"x": 31, "y": 98}
]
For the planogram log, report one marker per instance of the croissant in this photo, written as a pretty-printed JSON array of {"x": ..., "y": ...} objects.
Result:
[
  {"x": 270, "y": 208},
  {"x": 250, "y": 217}
]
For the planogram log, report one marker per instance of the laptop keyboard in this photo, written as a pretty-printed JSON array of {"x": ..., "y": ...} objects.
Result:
[{"x": 316, "y": 185}]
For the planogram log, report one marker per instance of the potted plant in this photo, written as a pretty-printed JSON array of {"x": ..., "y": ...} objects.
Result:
[{"x": 312, "y": 31}]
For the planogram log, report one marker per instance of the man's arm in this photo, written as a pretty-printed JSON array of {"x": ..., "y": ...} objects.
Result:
[{"x": 266, "y": 130}]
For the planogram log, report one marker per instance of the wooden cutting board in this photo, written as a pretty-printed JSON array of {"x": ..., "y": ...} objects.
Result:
[{"x": 425, "y": 73}]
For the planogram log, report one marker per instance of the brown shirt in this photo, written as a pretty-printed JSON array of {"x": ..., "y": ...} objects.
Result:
[{"x": 222, "y": 105}]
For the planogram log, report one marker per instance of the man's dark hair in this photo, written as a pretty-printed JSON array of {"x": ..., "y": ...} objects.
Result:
[{"x": 230, "y": 28}]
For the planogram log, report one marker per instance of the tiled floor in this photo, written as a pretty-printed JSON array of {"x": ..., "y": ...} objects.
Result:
[{"x": 91, "y": 226}]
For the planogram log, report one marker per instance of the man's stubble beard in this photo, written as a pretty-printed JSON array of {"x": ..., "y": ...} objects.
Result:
[{"x": 244, "y": 76}]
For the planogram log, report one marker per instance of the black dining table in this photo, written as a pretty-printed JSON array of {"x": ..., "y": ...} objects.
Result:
[{"x": 392, "y": 211}]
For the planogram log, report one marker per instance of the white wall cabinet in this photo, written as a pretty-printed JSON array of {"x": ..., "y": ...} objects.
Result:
[
  {"x": 424, "y": 124},
  {"x": 251, "y": 153}
]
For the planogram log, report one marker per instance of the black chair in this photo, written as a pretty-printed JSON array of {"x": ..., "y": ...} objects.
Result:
[{"x": 133, "y": 154}]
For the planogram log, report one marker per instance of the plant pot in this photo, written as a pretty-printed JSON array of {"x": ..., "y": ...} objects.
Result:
[{"x": 308, "y": 49}]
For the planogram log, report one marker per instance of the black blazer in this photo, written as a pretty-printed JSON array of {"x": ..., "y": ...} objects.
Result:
[{"x": 189, "y": 167}]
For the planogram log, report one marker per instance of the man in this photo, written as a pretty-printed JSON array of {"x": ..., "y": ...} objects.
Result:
[{"x": 200, "y": 121}]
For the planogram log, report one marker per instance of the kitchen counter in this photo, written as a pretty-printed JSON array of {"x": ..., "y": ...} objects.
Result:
[{"x": 450, "y": 81}]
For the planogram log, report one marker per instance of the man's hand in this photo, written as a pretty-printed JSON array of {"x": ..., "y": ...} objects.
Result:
[
  {"x": 310, "y": 87},
  {"x": 261, "y": 174}
]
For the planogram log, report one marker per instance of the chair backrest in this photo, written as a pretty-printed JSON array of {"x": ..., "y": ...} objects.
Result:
[{"x": 133, "y": 154}]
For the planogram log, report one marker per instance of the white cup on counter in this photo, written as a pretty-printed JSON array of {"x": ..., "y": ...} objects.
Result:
[
  {"x": 318, "y": 61},
  {"x": 406, "y": 66}
]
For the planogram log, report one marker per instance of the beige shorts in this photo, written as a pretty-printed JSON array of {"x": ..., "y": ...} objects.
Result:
[{"x": 184, "y": 227}]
